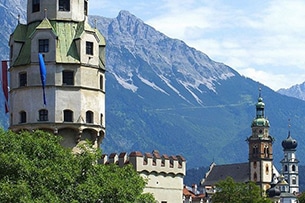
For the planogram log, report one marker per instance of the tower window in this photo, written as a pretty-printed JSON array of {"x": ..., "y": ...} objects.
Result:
[
  {"x": 89, "y": 117},
  {"x": 22, "y": 117},
  {"x": 35, "y": 6},
  {"x": 43, "y": 115},
  {"x": 43, "y": 45},
  {"x": 68, "y": 77},
  {"x": 64, "y": 5},
  {"x": 68, "y": 116},
  {"x": 86, "y": 7},
  {"x": 286, "y": 168},
  {"x": 102, "y": 117},
  {"x": 22, "y": 79},
  {"x": 267, "y": 169},
  {"x": 294, "y": 181},
  {"x": 255, "y": 177},
  {"x": 89, "y": 48},
  {"x": 101, "y": 82},
  {"x": 293, "y": 167}
]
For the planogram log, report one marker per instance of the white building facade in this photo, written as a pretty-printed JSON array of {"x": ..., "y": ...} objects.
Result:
[{"x": 74, "y": 56}]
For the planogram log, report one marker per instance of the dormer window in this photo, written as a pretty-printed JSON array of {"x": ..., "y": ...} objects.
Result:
[
  {"x": 64, "y": 5},
  {"x": 43, "y": 45},
  {"x": 89, "y": 48},
  {"x": 35, "y": 6}
]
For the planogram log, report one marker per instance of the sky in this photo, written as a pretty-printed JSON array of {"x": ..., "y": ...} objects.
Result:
[{"x": 261, "y": 39}]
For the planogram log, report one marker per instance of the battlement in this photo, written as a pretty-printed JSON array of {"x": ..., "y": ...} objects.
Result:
[{"x": 149, "y": 162}]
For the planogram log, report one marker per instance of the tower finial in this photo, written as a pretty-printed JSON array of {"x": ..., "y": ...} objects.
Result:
[
  {"x": 289, "y": 125},
  {"x": 45, "y": 13},
  {"x": 18, "y": 18},
  {"x": 95, "y": 22},
  {"x": 259, "y": 92}
]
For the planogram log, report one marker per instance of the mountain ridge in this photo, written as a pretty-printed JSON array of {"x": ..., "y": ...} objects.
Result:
[{"x": 162, "y": 94}]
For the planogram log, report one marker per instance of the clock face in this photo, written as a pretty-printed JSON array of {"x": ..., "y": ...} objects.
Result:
[{"x": 260, "y": 131}]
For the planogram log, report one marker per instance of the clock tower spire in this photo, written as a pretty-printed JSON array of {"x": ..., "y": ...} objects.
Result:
[{"x": 260, "y": 148}]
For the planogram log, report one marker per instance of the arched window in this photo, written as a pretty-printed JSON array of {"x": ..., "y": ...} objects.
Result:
[
  {"x": 68, "y": 116},
  {"x": 43, "y": 115},
  {"x": 293, "y": 167},
  {"x": 89, "y": 117},
  {"x": 22, "y": 117},
  {"x": 286, "y": 168}
]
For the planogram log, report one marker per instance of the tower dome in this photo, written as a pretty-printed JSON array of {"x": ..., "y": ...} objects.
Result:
[{"x": 289, "y": 143}]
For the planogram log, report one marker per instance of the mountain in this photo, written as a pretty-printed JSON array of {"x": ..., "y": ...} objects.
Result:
[
  {"x": 162, "y": 94},
  {"x": 297, "y": 91}
]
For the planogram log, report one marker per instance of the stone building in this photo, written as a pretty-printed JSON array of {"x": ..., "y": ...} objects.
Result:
[
  {"x": 71, "y": 101},
  {"x": 163, "y": 173}
]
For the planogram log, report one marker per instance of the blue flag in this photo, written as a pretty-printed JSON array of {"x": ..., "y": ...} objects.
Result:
[{"x": 43, "y": 76}]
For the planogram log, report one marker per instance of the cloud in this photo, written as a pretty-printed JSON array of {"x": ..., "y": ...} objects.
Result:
[{"x": 264, "y": 35}]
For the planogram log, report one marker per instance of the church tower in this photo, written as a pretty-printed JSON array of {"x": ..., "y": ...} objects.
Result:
[
  {"x": 260, "y": 148},
  {"x": 63, "y": 91},
  {"x": 289, "y": 163}
]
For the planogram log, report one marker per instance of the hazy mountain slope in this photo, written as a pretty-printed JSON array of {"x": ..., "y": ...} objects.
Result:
[
  {"x": 163, "y": 94},
  {"x": 297, "y": 91}
]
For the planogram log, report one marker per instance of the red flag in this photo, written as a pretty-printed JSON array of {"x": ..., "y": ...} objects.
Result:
[{"x": 5, "y": 84}]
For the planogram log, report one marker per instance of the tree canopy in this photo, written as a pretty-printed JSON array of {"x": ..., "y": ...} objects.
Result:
[
  {"x": 230, "y": 191},
  {"x": 34, "y": 167}
]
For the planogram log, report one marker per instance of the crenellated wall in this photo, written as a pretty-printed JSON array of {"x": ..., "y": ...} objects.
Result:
[
  {"x": 164, "y": 174},
  {"x": 149, "y": 162}
]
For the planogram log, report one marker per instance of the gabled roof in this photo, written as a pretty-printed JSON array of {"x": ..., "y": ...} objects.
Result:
[{"x": 239, "y": 172}]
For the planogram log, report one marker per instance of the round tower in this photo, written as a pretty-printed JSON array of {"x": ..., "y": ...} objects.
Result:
[
  {"x": 63, "y": 10},
  {"x": 260, "y": 148},
  {"x": 289, "y": 163},
  {"x": 70, "y": 101}
]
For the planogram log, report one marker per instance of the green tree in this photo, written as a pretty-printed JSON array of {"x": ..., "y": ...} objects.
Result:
[
  {"x": 34, "y": 167},
  {"x": 229, "y": 191},
  {"x": 301, "y": 198}
]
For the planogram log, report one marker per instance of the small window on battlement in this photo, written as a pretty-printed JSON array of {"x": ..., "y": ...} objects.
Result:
[
  {"x": 179, "y": 163},
  {"x": 154, "y": 162},
  {"x": 145, "y": 161},
  {"x": 163, "y": 162},
  {"x": 171, "y": 163}
]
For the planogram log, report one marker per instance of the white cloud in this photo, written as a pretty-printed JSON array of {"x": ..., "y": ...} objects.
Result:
[{"x": 263, "y": 35}]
